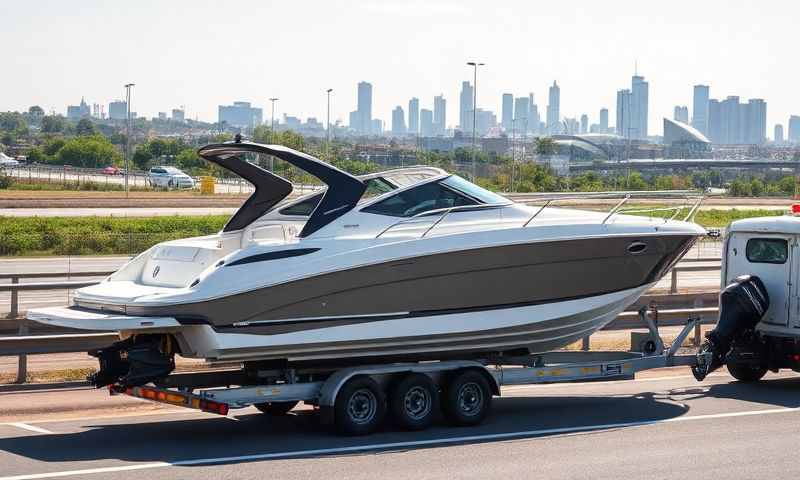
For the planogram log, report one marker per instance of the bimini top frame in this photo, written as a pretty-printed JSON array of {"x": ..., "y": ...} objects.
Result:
[{"x": 342, "y": 194}]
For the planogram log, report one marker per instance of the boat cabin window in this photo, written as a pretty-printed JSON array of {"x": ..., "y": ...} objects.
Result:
[
  {"x": 474, "y": 191},
  {"x": 425, "y": 197},
  {"x": 767, "y": 250}
]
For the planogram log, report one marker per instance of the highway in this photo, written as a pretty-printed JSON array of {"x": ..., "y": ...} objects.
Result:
[{"x": 655, "y": 427}]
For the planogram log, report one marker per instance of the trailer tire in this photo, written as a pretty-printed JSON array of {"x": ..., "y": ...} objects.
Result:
[
  {"x": 276, "y": 409},
  {"x": 360, "y": 407},
  {"x": 746, "y": 373},
  {"x": 413, "y": 401},
  {"x": 467, "y": 399}
]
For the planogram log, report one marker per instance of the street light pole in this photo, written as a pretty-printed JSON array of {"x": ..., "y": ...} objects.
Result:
[
  {"x": 272, "y": 132},
  {"x": 475, "y": 66},
  {"x": 128, "y": 87},
  {"x": 328, "y": 129}
]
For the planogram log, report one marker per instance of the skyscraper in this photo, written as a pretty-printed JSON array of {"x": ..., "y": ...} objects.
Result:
[
  {"x": 398, "y": 121},
  {"x": 361, "y": 119},
  {"x": 425, "y": 122},
  {"x": 507, "y": 111},
  {"x": 624, "y": 113},
  {"x": 794, "y": 129},
  {"x": 730, "y": 120},
  {"x": 522, "y": 108},
  {"x": 714, "y": 121},
  {"x": 700, "y": 109},
  {"x": 584, "y": 123},
  {"x": 465, "y": 107},
  {"x": 603, "y": 120},
  {"x": 554, "y": 109},
  {"x": 639, "y": 107},
  {"x": 439, "y": 115},
  {"x": 681, "y": 114},
  {"x": 778, "y": 133},
  {"x": 756, "y": 121},
  {"x": 413, "y": 116}
]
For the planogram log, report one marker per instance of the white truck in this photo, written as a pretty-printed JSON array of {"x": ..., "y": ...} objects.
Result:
[{"x": 767, "y": 248}]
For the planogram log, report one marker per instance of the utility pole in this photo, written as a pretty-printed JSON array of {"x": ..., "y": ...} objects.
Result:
[
  {"x": 328, "y": 129},
  {"x": 475, "y": 66},
  {"x": 272, "y": 132},
  {"x": 128, "y": 87}
]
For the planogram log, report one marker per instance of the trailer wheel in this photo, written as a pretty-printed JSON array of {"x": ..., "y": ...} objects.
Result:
[
  {"x": 413, "y": 401},
  {"x": 467, "y": 399},
  {"x": 746, "y": 373},
  {"x": 360, "y": 407},
  {"x": 276, "y": 408}
]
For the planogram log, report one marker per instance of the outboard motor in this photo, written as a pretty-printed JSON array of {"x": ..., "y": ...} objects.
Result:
[
  {"x": 742, "y": 304},
  {"x": 134, "y": 362}
]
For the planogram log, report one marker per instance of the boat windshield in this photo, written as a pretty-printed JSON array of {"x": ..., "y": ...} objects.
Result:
[{"x": 474, "y": 191}]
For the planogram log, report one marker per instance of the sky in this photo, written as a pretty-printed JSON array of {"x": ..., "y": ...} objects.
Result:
[{"x": 204, "y": 53}]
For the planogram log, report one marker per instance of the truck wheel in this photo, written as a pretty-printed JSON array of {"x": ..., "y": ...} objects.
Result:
[
  {"x": 276, "y": 408},
  {"x": 746, "y": 373},
  {"x": 360, "y": 407},
  {"x": 413, "y": 401},
  {"x": 467, "y": 399}
]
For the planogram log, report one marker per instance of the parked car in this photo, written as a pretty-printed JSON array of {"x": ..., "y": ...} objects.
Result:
[
  {"x": 6, "y": 161},
  {"x": 112, "y": 170},
  {"x": 169, "y": 177}
]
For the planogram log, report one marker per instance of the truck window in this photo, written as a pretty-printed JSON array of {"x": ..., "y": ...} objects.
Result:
[{"x": 767, "y": 250}]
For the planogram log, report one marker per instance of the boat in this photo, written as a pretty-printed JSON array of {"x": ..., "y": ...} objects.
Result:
[{"x": 409, "y": 264}]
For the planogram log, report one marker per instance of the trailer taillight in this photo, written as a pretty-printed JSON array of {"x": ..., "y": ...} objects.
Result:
[{"x": 796, "y": 209}]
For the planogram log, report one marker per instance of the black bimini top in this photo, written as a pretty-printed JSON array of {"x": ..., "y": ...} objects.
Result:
[{"x": 343, "y": 193}]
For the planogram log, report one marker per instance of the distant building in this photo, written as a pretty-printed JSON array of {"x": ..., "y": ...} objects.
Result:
[
  {"x": 731, "y": 122},
  {"x": 624, "y": 113},
  {"x": 639, "y": 107},
  {"x": 522, "y": 107},
  {"x": 507, "y": 111},
  {"x": 361, "y": 118},
  {"x": 486, "y": 120},
  {"x": 554, "y": 109},
  {"x": 118, "y": 110},
  {"x": 439, "y": 115},
  {"x": 76, "y": 112},
  {"x": 681, "y": 114},
  {"x": 684, "y": 141},
  {"x": 700, "y": 115},
  {"x": 240, "y": 115},
  {"x": 178, "y": 115},
  {"x": 533, "y": 115},
  {"x": 162, "y": 116},
  {"x": 603, "y": 120},
  {"x": 465, "y": 107},
  {"x": 714, "y": 121},
  {"x": 376, "y": 127},
  {"x": 778, "y": 133},
  {"x": 584, "y": 123},
  {"x": 413, "y": 116},
  {"x": 794, "y": 129},
  {"x": 426, "y": 122},
  {"x": 756, "y": 127},
  {"x": 398, "y": 121}
]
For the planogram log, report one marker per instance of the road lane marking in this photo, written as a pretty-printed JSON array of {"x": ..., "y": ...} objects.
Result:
[
  {"x": 30, "y": 428},
  {"x": 395, "y": 445}
]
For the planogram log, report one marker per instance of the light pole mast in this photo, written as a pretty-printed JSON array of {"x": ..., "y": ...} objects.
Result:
[
  {"x": 272, "y": 132},
  {"x": 128, "y": 87},
  {"x": 475, "y": 66},
  {"x": 328, "y": 126}
]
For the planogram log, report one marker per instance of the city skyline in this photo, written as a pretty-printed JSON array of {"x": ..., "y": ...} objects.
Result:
[{"x": 193, "y": 68}]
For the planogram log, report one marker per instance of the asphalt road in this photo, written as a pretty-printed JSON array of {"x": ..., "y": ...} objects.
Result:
[{"x": 652, "y": 428}]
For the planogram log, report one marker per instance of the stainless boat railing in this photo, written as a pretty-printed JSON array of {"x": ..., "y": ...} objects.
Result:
[{"x": 692, "y": 201}]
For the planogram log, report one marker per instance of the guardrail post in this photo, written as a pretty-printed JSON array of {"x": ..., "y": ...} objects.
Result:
[
  {"x": 698, "y": 303},
  {"x": 673, "y": 288},
  {"x": 22, "y": 361},
  {"x": 14, "y": 300},
  {"x": 585, "y": 343}
]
